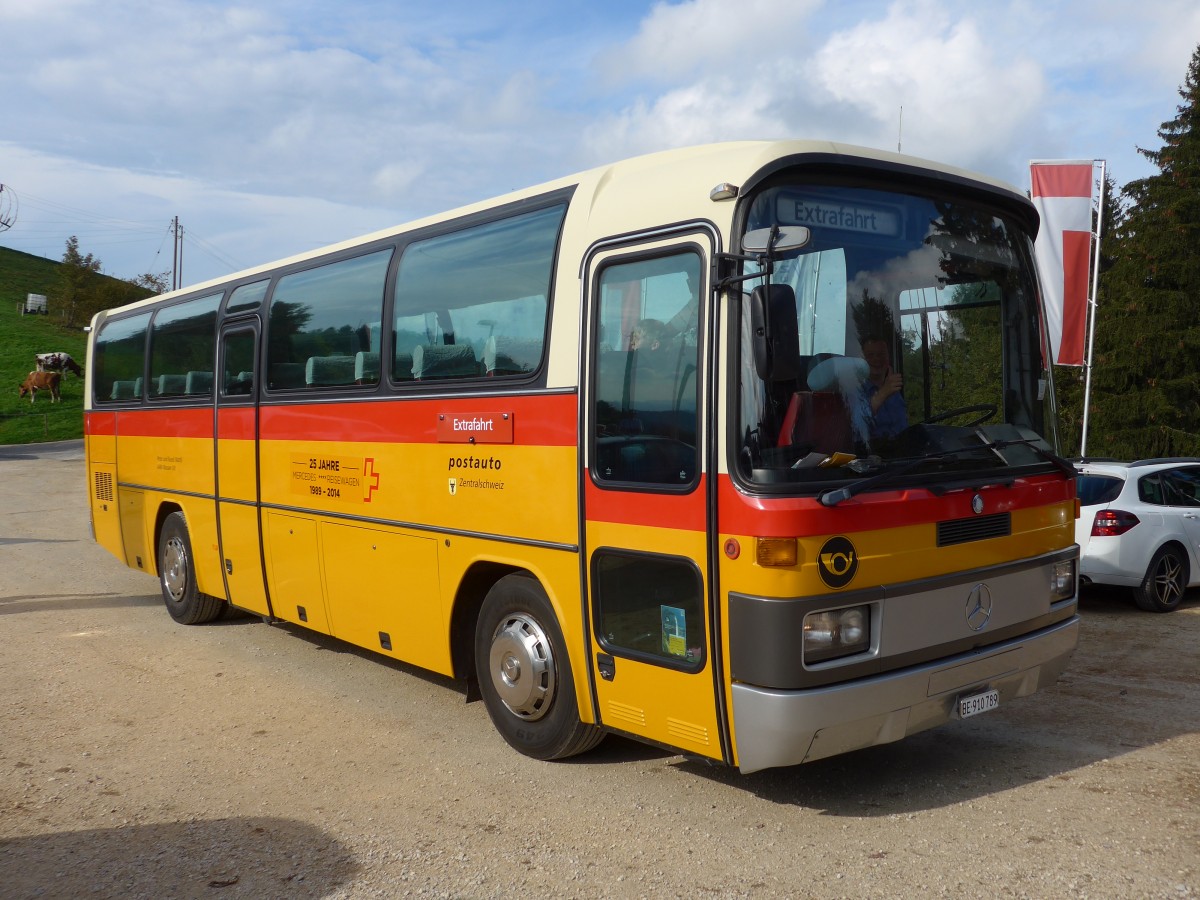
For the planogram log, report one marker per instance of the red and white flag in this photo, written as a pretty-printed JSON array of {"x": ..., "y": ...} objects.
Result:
[{"x": 1062, "y": 193}]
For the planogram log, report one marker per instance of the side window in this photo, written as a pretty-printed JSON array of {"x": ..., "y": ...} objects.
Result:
[
  {"x": 650, "y": 607},
  {"x": 247, "y": 297},
  {"x": 323, "y": 329},
  {"x": 237, "y": 364},
  {"x": 182, "y": 340},
  {"x": 120, "y": 358},
  {"x": 474, "y": 303},
  {"x": 646, "y": 360},
  {"x": 1150, "y": 490},
  {"x": 1182, "y": 487}
]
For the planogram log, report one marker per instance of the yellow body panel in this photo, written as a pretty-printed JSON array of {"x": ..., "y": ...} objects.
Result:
[
  {"x": 382, "y": 583},
  {"x": 244, "y": 574}
]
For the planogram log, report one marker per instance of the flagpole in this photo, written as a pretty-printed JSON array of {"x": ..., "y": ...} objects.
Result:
[{"x": 1087, "y": 378}]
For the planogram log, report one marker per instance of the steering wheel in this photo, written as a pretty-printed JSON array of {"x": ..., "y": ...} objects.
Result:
[{"x": 988, "y": 410}]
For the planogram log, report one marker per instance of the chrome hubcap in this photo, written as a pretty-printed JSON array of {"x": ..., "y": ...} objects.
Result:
[
  {"x": 175, "y": 568},
  {"x": 521, "y": 666}
]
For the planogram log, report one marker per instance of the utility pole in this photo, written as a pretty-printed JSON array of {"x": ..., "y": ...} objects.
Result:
[{"x": 176, "y": 254}]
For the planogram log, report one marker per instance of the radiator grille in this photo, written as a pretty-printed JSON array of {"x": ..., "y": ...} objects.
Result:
[
  {"x": 977, "y": 528},
  {"x": 104, "y": 489}
]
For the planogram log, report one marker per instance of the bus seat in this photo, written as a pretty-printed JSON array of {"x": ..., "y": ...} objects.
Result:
[
  {"x": 503, "y": 355},
  {"x": 171, "y": 384},
  {"x": 137, "y": 387},
  {"x": 327, "y": 370},
  {"x": 123, "y": 390},
  {"x": 444, "y": 361},
  {"x": 403, "y": 367},
  {"x": 366, "y": 367},
  {"x": 819, "y": 419},
  {"x": 198, "y": 382}
]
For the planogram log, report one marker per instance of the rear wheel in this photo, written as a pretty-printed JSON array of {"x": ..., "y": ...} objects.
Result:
[
  {"x": 177, "y": 576},
  {"x": 524, "y": 673},
  {"x": 1165, "y": 581}
]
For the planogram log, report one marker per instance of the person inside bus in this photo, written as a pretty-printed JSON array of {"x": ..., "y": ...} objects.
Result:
[
  {"x": 882, "y": 391},
  {"x": 648, "y": 334}
]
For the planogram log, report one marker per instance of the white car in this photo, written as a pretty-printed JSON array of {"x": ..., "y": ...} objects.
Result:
[{"x": 1139, "y": 526}]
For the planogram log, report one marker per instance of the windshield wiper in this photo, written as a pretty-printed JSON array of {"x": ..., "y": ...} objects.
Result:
[
  {"x": 1053, "y": 458},
  {"x": 834, "y": 496}
]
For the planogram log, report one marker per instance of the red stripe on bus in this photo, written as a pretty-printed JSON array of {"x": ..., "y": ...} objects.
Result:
[
  {"x": 236, "y": 423},
  {"x": 537, "y": 420},
  {"x": 676, "y": 511},
  {"x": 763, "y": 516},
  {"x": 100, "y": 423},
  {"x": 176, "y": 423}
]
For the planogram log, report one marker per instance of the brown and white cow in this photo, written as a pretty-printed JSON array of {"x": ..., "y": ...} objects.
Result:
[
  {"x": 57, "y": 362},
  {"x": 41, "y": 381}
]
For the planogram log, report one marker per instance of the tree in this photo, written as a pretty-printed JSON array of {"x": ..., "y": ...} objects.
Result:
[
  {"x": 1146, "y": 383},
  {"x": 77, "y": 284}
]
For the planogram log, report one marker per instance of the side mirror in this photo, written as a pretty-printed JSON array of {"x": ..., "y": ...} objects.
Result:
[
  {"x": 787, "y": 237},
  {"x": 774, "y": 335}
]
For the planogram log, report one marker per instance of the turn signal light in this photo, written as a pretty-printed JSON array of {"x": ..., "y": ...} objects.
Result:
[
  {"x": 1112, "y": 522},
  {"x": 776, "y": 552}
]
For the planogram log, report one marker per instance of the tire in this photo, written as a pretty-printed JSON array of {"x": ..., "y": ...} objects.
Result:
[
  {"x": 1165, "y": 581},
  {"x": 177, "y": 576},
  {"x": 524, "y": 674}
]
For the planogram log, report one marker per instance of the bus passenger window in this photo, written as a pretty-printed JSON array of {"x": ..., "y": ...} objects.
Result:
[
  {"x": 475, "y": 303},
  {"x": 182, "y": 341},
  {"x": 322, "y": 318},
  {"x": 119, "y": 358}
]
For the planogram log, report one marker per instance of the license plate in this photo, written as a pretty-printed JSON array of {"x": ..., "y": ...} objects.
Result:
[{"x": 978, "y": 703}]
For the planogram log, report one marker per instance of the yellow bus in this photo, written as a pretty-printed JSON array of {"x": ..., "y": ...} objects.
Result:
[{"x": 745, "y": 450}]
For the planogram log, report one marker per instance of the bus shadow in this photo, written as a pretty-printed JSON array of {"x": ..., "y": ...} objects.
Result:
[
  {"x": 1123, "y": 691},
  {"x": 28, "y": 603},
  {"x": 261, "y": 856}
]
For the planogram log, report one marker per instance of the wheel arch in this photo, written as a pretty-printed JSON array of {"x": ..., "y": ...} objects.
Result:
[
  {"x": 468, "y": 601},
  {"x": 165, "y": 508}
]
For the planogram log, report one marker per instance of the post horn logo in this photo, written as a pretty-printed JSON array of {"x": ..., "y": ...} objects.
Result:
[{"x": 837, "y": 562}]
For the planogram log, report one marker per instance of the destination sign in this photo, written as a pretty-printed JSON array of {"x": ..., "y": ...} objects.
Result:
[
  {"x": 883, "y": 221},
  {"x": 475, "y": 428}
]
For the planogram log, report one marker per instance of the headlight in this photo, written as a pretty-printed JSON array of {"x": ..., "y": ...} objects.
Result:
[
  {"x": 837, "y": 632},
  {"x": 1062, "y": 580}
]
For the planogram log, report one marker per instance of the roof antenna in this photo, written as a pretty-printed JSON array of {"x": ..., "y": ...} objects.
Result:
[{"x": 900, "y": 130}]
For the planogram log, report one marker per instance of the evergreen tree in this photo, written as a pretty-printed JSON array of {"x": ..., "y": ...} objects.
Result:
[{"x": 1146, "y": 381}]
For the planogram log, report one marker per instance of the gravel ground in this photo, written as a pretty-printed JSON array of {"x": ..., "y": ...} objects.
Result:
[{"x": 139, "y": 758}]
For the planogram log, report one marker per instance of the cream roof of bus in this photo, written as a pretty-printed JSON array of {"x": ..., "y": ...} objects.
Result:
[{"x": 667, "y": 186}]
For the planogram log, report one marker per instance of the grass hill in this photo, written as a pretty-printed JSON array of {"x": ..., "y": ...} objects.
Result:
[{"x": 23, "y": 336}]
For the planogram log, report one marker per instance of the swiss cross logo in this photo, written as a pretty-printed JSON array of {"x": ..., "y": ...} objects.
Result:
[{"x": 371, "y": 477}]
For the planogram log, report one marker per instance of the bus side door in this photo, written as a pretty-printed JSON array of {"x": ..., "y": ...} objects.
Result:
[
  {"x": 645, "y": 487},
  {"x": 238, "y": 516}
]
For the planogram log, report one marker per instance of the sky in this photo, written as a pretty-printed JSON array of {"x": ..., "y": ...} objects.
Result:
[{"x": 274, "y": 128}]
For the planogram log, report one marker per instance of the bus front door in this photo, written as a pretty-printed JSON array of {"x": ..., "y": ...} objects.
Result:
[
  {"x": 237, "y": 468},
  {"x": 646, "y": 515}
]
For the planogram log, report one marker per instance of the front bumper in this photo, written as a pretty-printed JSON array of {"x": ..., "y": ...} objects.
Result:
[{"x": 783, "y": 728}]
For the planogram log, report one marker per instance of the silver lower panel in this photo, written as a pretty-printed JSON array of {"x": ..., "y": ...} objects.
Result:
[{"x": 784, "y": 728}]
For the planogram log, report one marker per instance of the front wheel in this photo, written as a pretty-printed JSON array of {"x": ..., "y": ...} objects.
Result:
[
  {"x": 1165, "y": 581},
  {"x": 524, "y": 673},
  {"x": 177, "y": 576}
]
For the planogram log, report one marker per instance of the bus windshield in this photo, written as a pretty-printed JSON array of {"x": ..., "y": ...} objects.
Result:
[{"x": 918, "y": 341}]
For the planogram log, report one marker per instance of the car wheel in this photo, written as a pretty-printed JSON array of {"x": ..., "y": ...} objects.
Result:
[{"x": 1165, "y": 581}]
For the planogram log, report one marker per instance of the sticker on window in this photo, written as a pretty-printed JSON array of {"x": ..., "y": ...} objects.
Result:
[{"x": 674, "y": 631}]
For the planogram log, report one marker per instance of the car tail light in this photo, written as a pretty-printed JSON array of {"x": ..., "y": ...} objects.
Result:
[{"x": 1112, "y": 522}]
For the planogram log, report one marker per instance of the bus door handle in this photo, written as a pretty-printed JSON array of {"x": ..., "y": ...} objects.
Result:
[{"x": 607, "y": 666}]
